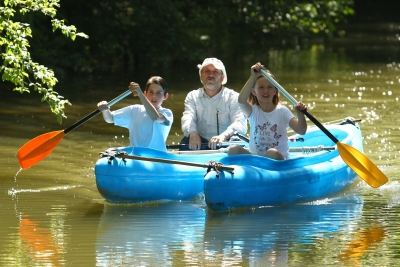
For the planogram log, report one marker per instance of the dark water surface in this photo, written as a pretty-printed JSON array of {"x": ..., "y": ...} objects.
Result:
[{"x": 53, "y": 215}]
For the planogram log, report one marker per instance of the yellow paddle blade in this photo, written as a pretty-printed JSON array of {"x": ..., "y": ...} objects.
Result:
[
  {"x": 38, "y": 148},
  {"x": 361, "y": 165}
]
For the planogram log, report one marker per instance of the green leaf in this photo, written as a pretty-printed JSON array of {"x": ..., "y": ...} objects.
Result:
[{"x": 18, "y": 66}]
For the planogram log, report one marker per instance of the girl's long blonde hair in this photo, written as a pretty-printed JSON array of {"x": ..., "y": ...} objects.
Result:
[{"x": 252, "y": 100}]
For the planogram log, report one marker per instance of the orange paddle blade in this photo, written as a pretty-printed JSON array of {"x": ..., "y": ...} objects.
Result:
[
  {"x": 361, "y": 165},
  {"x": 38, "y": 148}
]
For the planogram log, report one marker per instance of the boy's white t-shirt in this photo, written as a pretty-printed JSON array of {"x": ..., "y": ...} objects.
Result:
[
  {"x": 143, "y": 131},
  {"x": 269, "y": 130}
]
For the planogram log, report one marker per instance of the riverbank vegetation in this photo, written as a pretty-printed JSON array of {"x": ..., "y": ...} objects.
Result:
[{"x": 130, "y": 35}]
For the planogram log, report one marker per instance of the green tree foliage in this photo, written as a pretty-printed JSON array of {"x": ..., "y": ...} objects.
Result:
[
  {"x": 131, "y": 35},
  {"x": 18, "y": 66},
  {"x": 136, "y": 34}
]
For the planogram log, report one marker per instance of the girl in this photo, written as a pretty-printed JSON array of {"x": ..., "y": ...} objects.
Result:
[
  {"x": 269, "y": 120},
  {"x": 149, "y": 124}
]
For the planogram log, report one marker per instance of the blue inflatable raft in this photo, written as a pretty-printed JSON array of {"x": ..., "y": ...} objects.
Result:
[
  {"x": 152, "y": 176},
  {"x": 259, "y": 181}
]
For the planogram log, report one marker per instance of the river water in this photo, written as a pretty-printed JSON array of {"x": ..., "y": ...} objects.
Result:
[{"x": 52, "y": 214}]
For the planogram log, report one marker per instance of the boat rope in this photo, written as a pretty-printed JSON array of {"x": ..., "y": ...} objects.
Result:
[
  {"x": 311, "y": 149},
  {"x": 111, "y": 154},
  {"x": 211, "y": 165},
  {"x": 350, "y": 120}
]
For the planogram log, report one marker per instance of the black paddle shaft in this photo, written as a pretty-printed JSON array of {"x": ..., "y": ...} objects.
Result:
[
  {"x": 319, "y": 125},
  {"x": 82, "y": 121},
  {"x": 94, "y": 113},
  {"x": 294, "y": 102},
  {"x": 204, "y": 146},
  {"x": 247, "y": 140}
]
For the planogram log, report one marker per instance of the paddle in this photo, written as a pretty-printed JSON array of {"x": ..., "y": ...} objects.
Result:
[
  {"x": 244, "y": 138},
  {"x": 357, "y": 161},
  {"x": 304, "y": 149},
  {"x": 205, "y": 145},
  {"x": 39, "y": 147}
]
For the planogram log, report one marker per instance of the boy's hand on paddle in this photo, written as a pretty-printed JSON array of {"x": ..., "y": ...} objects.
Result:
[
  {"x": 102, "y": 106},
  {"x": 134, "y": 88}
]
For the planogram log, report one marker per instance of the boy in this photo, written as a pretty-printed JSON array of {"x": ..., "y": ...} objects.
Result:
[{"x": 149, "y": 124}]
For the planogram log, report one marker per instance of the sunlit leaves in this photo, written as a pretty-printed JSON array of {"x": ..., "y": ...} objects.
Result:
[
  {"x": 18, "y": 66},
  {"x": 47, "y": 7},
  {"x": 69, "y": 31},
  {"x": 296, "y": 17}
]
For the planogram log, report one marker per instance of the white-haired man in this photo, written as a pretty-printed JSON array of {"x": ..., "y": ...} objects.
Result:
[{"x": 212, "y": 113}]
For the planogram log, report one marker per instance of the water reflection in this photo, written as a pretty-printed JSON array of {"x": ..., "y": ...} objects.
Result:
[
  {"x": 153, "y": 235},
  {"x": 266, "y": 236},
  {"x": 183, "y": 233},
  {"x": 362, "y": 242},
  {"x": 39, "y": 243}
]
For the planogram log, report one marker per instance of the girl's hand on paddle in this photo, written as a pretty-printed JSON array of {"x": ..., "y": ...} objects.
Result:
[
  {"x": 256, "y": 69},
  {"x": 134, "y": 88},
  {"x": 300, "y": 107},
  {"x": 102, "y": 106}
]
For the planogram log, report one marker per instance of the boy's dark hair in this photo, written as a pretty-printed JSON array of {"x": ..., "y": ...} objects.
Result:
[
  {"x": 157, "y": 80},
  {"x": 252, "y": 100}
]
